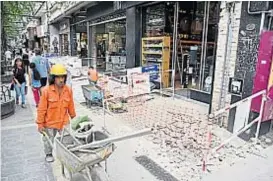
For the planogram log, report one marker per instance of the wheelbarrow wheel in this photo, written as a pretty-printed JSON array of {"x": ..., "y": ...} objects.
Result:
[{"x": 98, "y": 174}]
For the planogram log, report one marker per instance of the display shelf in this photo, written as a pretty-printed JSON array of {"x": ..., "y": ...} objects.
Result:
[
  {"x": 153, "y": 53},
  {"x": 154, "y": 38},
  {"x": 153, "y": 46},
  {"x": 163, "y": 44},
  {"x": 195, "y": 42}
]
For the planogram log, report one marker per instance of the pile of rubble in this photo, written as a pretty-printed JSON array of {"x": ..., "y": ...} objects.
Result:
[{"x": 182, "y": 134}]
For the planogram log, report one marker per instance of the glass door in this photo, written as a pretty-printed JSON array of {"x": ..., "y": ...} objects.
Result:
[{"x": 210, "y": 32}]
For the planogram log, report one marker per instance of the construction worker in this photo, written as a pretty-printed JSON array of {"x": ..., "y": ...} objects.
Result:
[
  {"x": 93, "y": 75},
  {"x": 55, "y": 106}
]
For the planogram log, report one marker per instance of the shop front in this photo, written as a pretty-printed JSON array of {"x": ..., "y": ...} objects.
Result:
[
  {"x": 108, "y": 42},
  {"x": 64, "y": 37},
  {"x": 42, "y": 39},
  {"x": 81, "y": 45},
  {"x": 78, "y": 35},
  {"x": 192, "y": 48}
]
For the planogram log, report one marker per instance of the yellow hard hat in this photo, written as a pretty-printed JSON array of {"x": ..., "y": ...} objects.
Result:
[{"x": 58, "y": 69}]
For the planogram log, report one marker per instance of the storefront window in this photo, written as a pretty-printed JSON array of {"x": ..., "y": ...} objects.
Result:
[
  {"x": 210, "y": 48},
  {"x": 158, "y": 20},
  {"x": 196, "y": 39},
  {"x": 81, "y": 44},
  {"x": 110, "y": 42}
]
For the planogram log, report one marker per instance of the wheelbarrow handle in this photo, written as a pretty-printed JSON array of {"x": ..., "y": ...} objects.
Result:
[
  {"x": 47, "y": 137},
  {"x": 114, "y": 139}
]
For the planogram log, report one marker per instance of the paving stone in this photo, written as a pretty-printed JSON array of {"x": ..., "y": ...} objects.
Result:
[
  {"x": 12, "y": 159},
  {"x": 22, "y": 150}
]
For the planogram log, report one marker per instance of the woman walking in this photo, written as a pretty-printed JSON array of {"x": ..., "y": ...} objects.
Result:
[{"x": 20, "y": 81}]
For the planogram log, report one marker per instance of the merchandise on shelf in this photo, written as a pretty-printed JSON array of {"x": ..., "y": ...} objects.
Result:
[{"x": 156, "y": 51}]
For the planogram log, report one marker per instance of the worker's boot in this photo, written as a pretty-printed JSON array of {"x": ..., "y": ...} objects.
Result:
[{"x": 49, "y": 158}]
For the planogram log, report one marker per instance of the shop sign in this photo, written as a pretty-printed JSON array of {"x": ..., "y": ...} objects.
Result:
[
  {"x": 153, "y": 70},
  {"x": 235, "y": 86},
  {"x": 109, "y": 17},
  {"x": 64, "y": 27}
]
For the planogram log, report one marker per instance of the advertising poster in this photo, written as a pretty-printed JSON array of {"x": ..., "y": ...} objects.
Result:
[{"x": 153, "y": 70}]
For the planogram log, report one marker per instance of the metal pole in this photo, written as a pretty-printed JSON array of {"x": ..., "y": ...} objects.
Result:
[
  {"x": 174, "y": 57},
  {"x": 260, "y": 117},
  {"x": 103, "y": 104},
  {"x": 262, "y": 22},
  {"x": 202, "y": 45},
  {"x": 48, "y": 29},
  {"x": 205, "y": 47},
  {"x": 89, "y": 44},
  {"x": 160, "y": 82},
  {"x": 269, "y": 23}
]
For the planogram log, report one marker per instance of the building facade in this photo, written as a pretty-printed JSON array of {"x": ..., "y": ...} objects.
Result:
[
  {"x": 223, "y": 38},
  {"x": 211, "y": 44}
]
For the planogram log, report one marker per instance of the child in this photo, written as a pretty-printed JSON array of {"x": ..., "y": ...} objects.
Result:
[{"x": 35, "y": 83}]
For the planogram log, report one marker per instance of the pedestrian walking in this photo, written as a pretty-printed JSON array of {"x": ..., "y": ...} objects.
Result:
[
  {"x": 93, "y": 75},
  {"x": 8, "y": 56},
  {"x": 42, "y": 65},
  {"x": 35, "y": 83},
  {"x": 19, "y": 78},
  {"x": 55, "y": 107},
  {"x": 26, "y": 61}
]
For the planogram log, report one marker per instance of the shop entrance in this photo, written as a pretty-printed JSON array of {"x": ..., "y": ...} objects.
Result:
[
  {"x": 64, "y": 44},
  {"x": 193, "y": 43},
  {"x": 81, "y": 45},
  {"x": 110, "y": 41}
]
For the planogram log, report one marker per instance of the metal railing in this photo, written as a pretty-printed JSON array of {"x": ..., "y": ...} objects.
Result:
[{"x": 214, "y": 115}]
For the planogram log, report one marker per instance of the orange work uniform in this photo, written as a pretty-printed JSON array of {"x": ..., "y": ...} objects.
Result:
[
  {"x": 54, "y": 109},
  {"x": 93, "y": 75}
]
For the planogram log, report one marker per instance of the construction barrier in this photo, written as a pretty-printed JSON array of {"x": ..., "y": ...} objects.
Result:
[{"x": 212, "y": 119}]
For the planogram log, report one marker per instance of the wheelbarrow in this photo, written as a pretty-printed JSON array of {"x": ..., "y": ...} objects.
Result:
[
  {"x": 92, "y": 94},
  {"x": 86, "y": 159}
]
